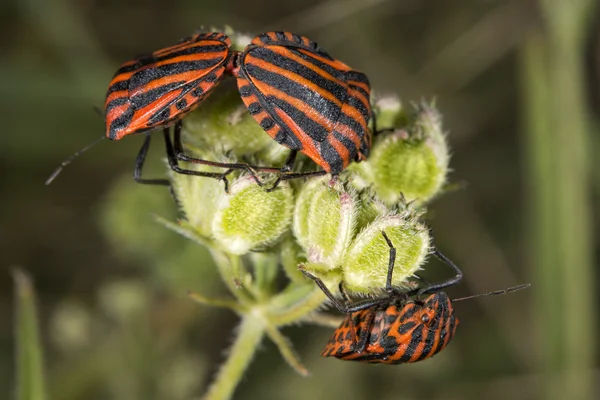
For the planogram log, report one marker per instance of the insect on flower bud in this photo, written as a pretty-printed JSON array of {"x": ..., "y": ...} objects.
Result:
[
  {"x": 224, "y": 127},
  {"x": 249, "y": 217},
  {"x": 366, "y": 263},
  {"x": 324, "y": 219}
]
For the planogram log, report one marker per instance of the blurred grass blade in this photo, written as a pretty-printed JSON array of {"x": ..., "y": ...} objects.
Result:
[{"x": 29, "y": 359}]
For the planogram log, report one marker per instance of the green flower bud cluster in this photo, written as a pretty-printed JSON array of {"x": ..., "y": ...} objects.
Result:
[
  {"x": 341, "y": 231},
  {"x": 336, "y": 222},
  {"x": 247, "y": 218},
  {"x": 331, "y": 227}
]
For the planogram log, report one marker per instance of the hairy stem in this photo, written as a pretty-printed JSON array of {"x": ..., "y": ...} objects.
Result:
[
  {"x": 249, "y": 336},
  {"x": 229, "y": 268},
  {"x": 301, "y": 309}
]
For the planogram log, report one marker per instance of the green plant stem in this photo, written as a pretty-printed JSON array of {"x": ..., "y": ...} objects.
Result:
[
  {"x": 229, "y": 268},
  {"x": 265, "y": 268},
  {"x": 557, "y": 137},
  {"x": 249, "y": 336},
  {"x": 296, "y": 312}
]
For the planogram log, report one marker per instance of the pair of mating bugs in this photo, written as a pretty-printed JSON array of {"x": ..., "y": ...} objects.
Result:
[
  {"x": 311, "y": 103},
  {"x": 402, "y": 327},
  {"x": 301, "y": 96}
]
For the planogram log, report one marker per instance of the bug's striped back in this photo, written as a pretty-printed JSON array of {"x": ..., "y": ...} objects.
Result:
[
  {"x": 159, "y": 88},
  {"x": 413, "y": 332},
  {"x": 305, "y": 99}
]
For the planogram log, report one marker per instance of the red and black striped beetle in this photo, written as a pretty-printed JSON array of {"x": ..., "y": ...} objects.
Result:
[
  {"x": 302, "y": 97},
  {"x": 402, "y": 327}
]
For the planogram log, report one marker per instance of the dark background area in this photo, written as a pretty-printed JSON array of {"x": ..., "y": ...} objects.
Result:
[{"x": 111, "y": 282}]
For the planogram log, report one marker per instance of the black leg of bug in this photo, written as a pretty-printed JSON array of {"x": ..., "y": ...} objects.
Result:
[
  {"x": 391, "y": 262},
  {"x": 139, "y": 164},
  {"x": 181, "y": 156},
  {"x": 295, "y": 175},
  {"x": 363, "y": 305},
  {"x": 289, "y": 162},
  {"x": 287, "y": 167},
  {"x": 286, "y": 175},
  {"x": 343, "y": 292},
  {"x": 379, "y": 131},
  {"x": 438, "y": 287},
  {"x": 420, "y": 278},
  {"x": 173, "y": 163}
]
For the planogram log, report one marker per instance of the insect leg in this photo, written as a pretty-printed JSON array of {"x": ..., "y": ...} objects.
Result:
[
  {"x": 391, "y": 262},
  {"x": 287, "y": 167},
  {"x": 375, "y": 130},
  {"x": 295, "y": 175},
  {"x": 436, "y": 287},
  {"x": 181, "y": 156},
  {"x": 363, "y": 305},
  {"x": 139, "y": 164},
  {"x": 173, "y": 163},
  {"x": 343, "y": 292}
]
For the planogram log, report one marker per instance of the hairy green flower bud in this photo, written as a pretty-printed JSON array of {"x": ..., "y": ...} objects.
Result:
[
  {"x": 390, "y": 113},
  {"x": 366, "y": 263},
  {"x": 249, "y": 217},
  {"x": 198, "y": 198},
  {"x": 412, "y": 162},
  {"x": 428, "y": 126},
  {"x": 369, "y": 209},
  {"x": 324, "y": 219}
]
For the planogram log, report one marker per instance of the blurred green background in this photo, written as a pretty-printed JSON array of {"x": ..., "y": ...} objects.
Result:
[{"x": 518, "y": 84}]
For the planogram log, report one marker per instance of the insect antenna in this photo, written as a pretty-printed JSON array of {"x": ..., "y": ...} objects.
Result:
[
  {"x": 58, "y": 170},
  {"x": 496, "y": 292},
  {"x": 98, "y": 111}
]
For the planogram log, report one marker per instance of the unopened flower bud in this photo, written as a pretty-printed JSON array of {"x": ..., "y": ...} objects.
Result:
[
  {"x": 412, "y": 162},
  {"x": 366, "y": 263},
  {"x": 249, "y": 217},
  {"x": 198, "y": 198},
  {"x": 324, "y": 219},
  {"x": 369, "y": 209},
  {"x": 389, "y": 113}
]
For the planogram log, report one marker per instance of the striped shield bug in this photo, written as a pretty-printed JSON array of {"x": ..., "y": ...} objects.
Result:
[
  {"x": 302, "y": 97},
  {"x": 305, "y": 99},
  {"x": 156, "y": 90},
  {"x": 402, "y": 327}
]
